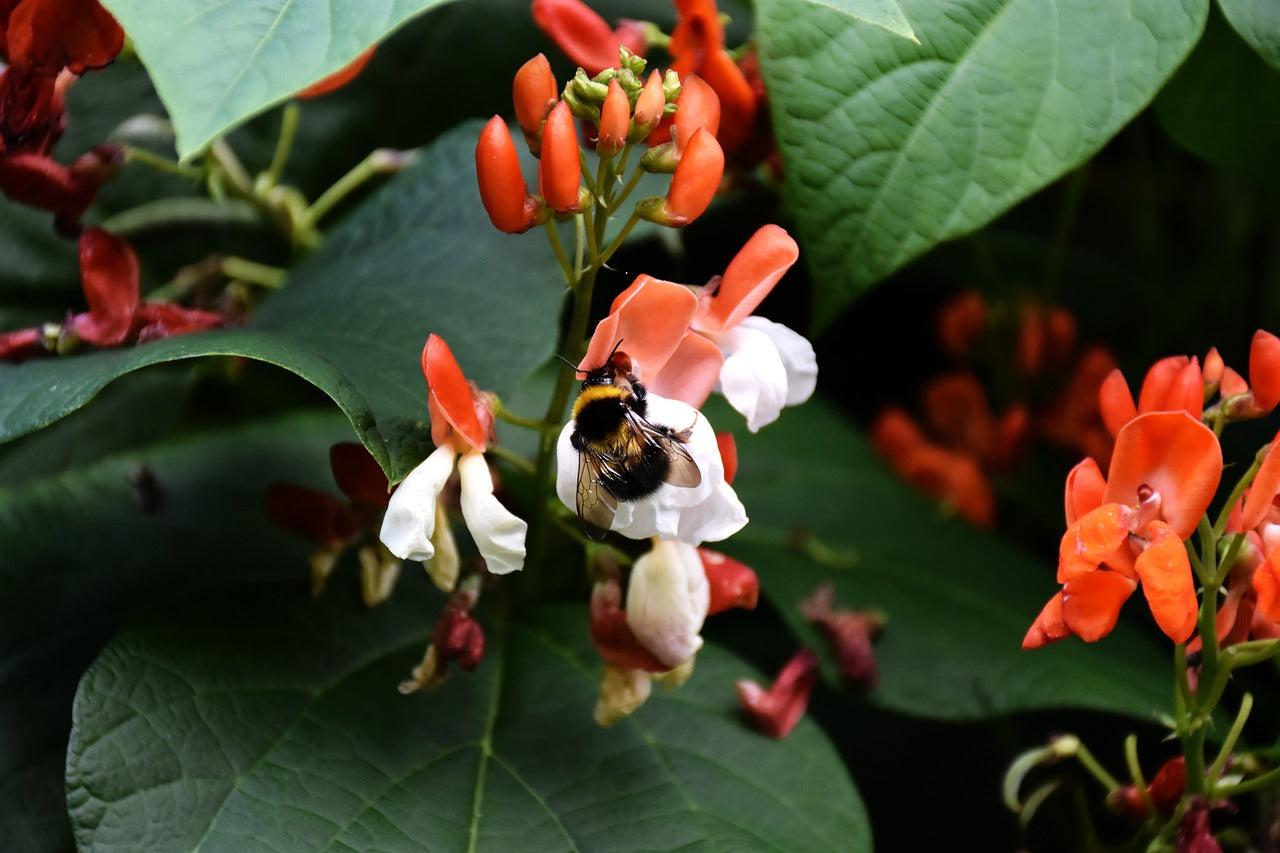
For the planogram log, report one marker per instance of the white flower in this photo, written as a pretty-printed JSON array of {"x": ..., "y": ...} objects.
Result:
[
  {"x": 409, "y": 526},
  {"x": 766, "y": 366},
  {"x": 707, "y": 512},
  {"x": 667, "y": 599}
]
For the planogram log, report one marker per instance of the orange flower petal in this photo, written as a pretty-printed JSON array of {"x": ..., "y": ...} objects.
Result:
[
  {"x": 697, "y": 106},
  {"x": 1174, "y": 454},
  {"x": 748, "y": 279},
  {"x": 737, "y": 99},
  {"x": 1091, "y": 604},
  {"x": 1116, "y": 402},
  {"x": 1048, "y": 627},
  {"x": 450, "y": 394},
  {"x": 1264, "y": 369},
  {"x": 1167, "y": 582},
  {"x": 1097, "y": 536},
  {"x": 696, "y": 180},
  {"x": 1159, "y": 383},
  {"x": 339, "y": 78},
  {"x": 1266, "y": 485},
  {"x": 1085, "y": 487},
  {"x": 650, "y": 318}
]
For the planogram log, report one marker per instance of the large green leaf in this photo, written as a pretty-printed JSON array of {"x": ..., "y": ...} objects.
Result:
[
  {"x": 86, "y": 548},
  {"x": 890, "y": 147},
  {"x": 418, "y": 257},
  {"x": 1258, "y": 23},
  {"x": 1223, "y": 103},
  {"x": 275, "y": 724},
  {"x": 216, "y": 63},
  {"x": 881, "y": 13},
  {"x": 958, "y": 600}
]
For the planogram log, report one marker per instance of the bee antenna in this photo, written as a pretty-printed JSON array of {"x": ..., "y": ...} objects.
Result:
[
  {"x": 614, "y": 351},
  {"x": 568, "y": 362}
]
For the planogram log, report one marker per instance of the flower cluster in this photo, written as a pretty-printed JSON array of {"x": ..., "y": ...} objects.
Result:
[
  {"x": 959, "y": 444},
  {"x": 696, "y": 46},
  {"x": 636, "y": 456},
  {"x": 47, "y": 44},
  {"x": 1212, "y": 585}
]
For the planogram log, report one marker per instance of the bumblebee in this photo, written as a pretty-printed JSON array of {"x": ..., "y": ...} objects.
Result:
[{"x": 622, "y": 456}]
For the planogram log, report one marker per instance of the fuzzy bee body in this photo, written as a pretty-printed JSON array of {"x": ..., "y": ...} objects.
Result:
[{"x": 622, "y": 456}]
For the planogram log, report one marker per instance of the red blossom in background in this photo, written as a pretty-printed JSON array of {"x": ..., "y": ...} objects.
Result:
[
  {"x": 850, "y": 634},
  {"x": 584, "y": 36},
  {"x": 777, "y": 710},
  {"x": 339, "y": 78}
]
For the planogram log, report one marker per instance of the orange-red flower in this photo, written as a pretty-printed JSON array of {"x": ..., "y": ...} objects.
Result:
[
  {"x": 697, "y": 47},
  {"x": 584, "y": 36},
  {"x": 1172, "y": 384},
  {"x": 49, "y": 35},
  {"x": 1164, "y": 473},
  {"x": 339, "y": 78}
]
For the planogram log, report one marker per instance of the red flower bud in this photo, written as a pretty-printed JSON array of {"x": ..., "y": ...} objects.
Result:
[
  {"x": 733, "y": 584},
  {"x": 696, "y": 107},
  {"x": 339, "y": 78},
  {"x": 651, "y": 105},
  {"x": 615, "y": 121},
  {"x": 776, "y": 711},
  {"x": 502, "y": 188},
  {"x": 559, "y": 168},
  {"x": 534, "y": 92},
  {"x": 696, "y": 180}
]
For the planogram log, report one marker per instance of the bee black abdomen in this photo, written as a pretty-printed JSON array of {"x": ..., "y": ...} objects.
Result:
[{"x": 642, "y": 478}]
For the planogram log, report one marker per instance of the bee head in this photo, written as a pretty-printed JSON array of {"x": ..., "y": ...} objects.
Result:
[{"x": 617, "y": 366}]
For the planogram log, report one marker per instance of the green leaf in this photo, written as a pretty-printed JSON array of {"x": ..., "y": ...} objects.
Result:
[
  {"x": 215, "y": 64},
  {"x": 86, "y": 548},
  {"x": 890, "y": 147},
  {"x": 270, "y": 724},
  {"x": 1258, "y": 23},
  {"x": 886, "y": 14},
  {"x": 418, "y": 257},
  {"x": 1223, "y": 102},
  {"x": 958, "y": 600}
]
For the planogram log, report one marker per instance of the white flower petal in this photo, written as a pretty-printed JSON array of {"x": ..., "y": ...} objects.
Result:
[
  {"x": 711, "y": 506},
  {"x": 498, "y": 533},
  {"x": 667, "y": 599},
  {"x": 411, "y": 512},
  {"x": 797, "y": 357},
  {"x": 753, "y": 378}
]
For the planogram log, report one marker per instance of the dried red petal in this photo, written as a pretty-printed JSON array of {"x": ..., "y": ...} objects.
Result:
[
  {"x": 358, "y": 474},
  {"x": 109, "y": 272},
  {"x": 312, "y": 514},
  {"x": 50, "y": 35},
  {"x": 776, "y": 711}
]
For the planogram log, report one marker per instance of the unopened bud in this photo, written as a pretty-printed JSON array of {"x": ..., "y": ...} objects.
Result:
[
  {"x": 651, "y": 105},
  {"x": 534, "y": 92},
  {"x": 560, "y": 168},
  {"x": 615, "y": 120},
  {"x": 502, "y": 188},
  {"x": 694, "y": 185}
]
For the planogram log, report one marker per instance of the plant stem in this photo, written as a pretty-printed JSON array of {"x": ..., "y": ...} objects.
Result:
[
  {"x": 1215, "y": 770},
  {"x": 161, "y": 164},
  {"x": 284, "y": 143},
  {"x": 381, "y": 161},
  {"x": 252, "y": 272}
]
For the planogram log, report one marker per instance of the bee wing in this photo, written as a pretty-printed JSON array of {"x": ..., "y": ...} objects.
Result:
[
  {"x": 596, "y": 505},
  {"x": 682, "y": 470}
]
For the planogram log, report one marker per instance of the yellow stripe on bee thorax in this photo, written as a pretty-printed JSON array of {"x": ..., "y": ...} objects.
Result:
[{"x": 596, "y": 393}]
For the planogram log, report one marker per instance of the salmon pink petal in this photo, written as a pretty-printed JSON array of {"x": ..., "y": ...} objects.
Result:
[
  {"x": 1174, "y": 454},
  {"x": 1116, "y": 402},
  {"x": 1085, "y": 487},
  {"x": 691, "y": 372},
  {"x": 697, "y": 107},
  {"x": 1266, "y": 485},
  {"x": 651, "y": 319},
  {"x": 109, "y": 272},
  {"x": 1091, "y": 603},
  {"x": 1264, "y": 369},
  {"x": 1167, "y": 582},
  {"x": 450, "y": 394},
  {"x": 1049, "y": 626},
  {"x": 1096, "y": 537},
  {"x": 748, "y": 279}
]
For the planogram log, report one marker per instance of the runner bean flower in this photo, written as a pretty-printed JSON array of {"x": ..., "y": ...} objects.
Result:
[{"x": 414, "y": 527}]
